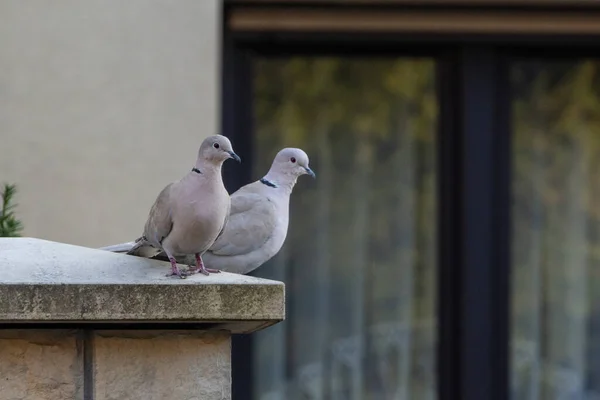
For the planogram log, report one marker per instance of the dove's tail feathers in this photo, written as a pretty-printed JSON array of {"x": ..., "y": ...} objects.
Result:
[
  {"x": 142, "y": 248},
  {"x": 119, "y": 248},
  {"x": 137, "y": 248}
]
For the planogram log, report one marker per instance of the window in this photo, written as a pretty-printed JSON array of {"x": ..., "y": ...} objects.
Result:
[
  {"x": 360, "y": 256},
  {"x": 446, "y": 249},
  {"x": 556, "y": 229}
]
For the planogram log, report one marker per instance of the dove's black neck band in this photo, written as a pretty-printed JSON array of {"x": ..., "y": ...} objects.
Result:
[
  {"x": 196, "y": 170},
  {"x": 268, "y": 183}
]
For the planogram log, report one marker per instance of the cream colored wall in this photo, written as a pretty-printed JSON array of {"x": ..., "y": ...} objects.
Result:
[{"x": 102, "y": 103}]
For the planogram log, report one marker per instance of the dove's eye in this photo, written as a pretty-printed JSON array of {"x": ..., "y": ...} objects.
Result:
[
  {"x": 216, "y": 145},
  {"x": 293, "y": 159}
]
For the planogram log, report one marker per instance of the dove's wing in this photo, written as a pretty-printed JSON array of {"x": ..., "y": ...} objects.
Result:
[
  {"x": 160, "y": 221},
  {"x": 251, "y": 223},
  {"x": 226, "y": 220}
]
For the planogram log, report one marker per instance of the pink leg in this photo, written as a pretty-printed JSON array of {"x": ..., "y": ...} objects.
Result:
[
  {"x": 175, "y": 270},
  {"x": 200, "y": 267}
]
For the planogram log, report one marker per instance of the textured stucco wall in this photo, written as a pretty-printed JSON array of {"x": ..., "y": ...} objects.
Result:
[{"x": 103, "y": 102}]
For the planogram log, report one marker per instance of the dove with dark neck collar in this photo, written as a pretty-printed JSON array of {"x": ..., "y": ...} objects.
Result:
[{"x": 189, "y": 214}]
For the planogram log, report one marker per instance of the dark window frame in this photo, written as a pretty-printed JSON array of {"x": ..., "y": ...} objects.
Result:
[{"x": 474, "y": 170}]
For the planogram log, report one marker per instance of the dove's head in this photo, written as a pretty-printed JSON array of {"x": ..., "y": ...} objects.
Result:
[
  {"x": 216, "y": 149},
  {"x": 291, "y": 162}
]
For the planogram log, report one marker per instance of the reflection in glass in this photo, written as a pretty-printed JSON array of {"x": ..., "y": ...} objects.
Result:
[
  {"x": 556, "y": 231},
  {"x": 360, "y": 257}
]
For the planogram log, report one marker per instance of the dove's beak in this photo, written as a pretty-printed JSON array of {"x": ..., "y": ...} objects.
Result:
[
  {"x": 234, "y": 156},
  {"x": 310, "y": 172}
]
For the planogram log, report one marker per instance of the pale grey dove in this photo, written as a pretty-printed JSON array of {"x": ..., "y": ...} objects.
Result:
[
  {"x": 188, "y": 214},
  {"x": 259, "y": 216}
]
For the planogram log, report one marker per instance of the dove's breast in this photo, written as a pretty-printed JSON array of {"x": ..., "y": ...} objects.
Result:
[
  {"x": 197, "y": 223},
  {"x": 277, "y": 236}
]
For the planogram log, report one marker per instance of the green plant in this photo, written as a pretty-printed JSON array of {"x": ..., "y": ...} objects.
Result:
[{"x": 10, "y": 226}]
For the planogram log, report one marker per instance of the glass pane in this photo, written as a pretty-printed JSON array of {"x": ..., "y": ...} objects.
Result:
[
  {"x": 360, "y": 256},
  {"x": 556, "y": 230}
]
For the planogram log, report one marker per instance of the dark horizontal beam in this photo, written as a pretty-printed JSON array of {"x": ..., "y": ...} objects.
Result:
[
  {"x": 373, "y": 20},
  {"x": 425, "y": 4},
  {"x": 285, "y": 44}
]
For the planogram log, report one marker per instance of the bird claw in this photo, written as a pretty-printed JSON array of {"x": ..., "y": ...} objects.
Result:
[
  {"x": 177, "y": 272},
  {"x": 199, "y": 267},
  {"x": 182, "y": 275},
  {"x": 204, "y": 271}
]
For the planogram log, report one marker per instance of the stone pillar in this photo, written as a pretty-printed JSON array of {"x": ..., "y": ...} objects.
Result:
[{"x": 86, "y": 324}]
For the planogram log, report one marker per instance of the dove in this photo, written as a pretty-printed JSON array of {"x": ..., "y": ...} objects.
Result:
[
  {"x": 189, "y": 214},
  {"x": 258, "y": 219}
]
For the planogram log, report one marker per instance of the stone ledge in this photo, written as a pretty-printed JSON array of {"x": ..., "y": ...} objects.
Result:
[{"x": 48, "y": 282}]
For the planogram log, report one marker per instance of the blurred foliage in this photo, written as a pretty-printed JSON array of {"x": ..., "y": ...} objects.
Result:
[
  {"x": 359, "y": 260},
  {"x": 556, "y": 229},
  {"x": 10, "y": 226}
]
